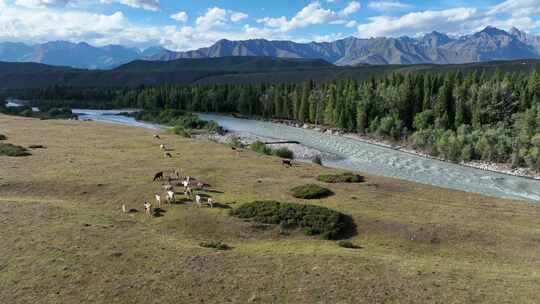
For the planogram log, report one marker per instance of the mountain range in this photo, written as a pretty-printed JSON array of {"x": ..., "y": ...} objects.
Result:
[
  {"x": 490, "y": 44},
  {"x": 77, "y": 55}
]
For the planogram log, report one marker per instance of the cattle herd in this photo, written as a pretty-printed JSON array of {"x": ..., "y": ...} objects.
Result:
[{"x": 174, "y": 179}]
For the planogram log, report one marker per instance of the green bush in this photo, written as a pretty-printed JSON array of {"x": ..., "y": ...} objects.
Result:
[
  {"x": 180, "y": 130},
  {"x": 213, "y": 127},
  {"x": 341, "y": 178},
  {"x": 348, "y": 244},
  {"x": 3, "y": 137},
  {"x": 284, "y": 153},
  {"x": 313, "y": 220},
  {"x": 218, "y": 245},
  {"x": 260, "y": 147},
  {"x": 310, "y": 191},
  {"x": 235, "y": 142},
  {"x": 13, "y": 150}
]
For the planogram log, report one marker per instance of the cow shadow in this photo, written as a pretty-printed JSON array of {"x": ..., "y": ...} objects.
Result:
[
  {"x": 212, "y": 191},
  {"x": 158, "y": 212},
  {"x": 222, "y": 206}
]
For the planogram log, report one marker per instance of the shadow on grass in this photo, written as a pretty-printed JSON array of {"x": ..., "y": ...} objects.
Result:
[
  {"x": 181, "y": 201},
  {"x": 222, "y": 206},
  {"x": 212, "y": 191},
  {"x": 158, "y": 212}
]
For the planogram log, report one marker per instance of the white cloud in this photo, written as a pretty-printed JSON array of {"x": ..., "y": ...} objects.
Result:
[
  {"x": 387, "y": 5},
  {"x": 40, "y": 25},
  {"x": 450, "y": 20},
  {"x": 351, "y": 8},
  {"x": 218, "y": 17},
  {"x": 312, "y": 14},
  {"x": 149, "y": 5},
  {"x": 2, "y": 4},
  {"x": 180, "y": 17},
  {"x": 41, "y": 3},
  {"x": 238, "y": 16},
  {"x": 351, "y": 23},
  {"x": 516, "y": 8}
]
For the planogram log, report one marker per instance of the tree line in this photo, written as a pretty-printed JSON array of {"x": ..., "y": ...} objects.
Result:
[{"x": 454, "y": 116}]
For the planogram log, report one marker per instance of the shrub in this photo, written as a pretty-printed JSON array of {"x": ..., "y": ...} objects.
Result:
[
  {"x": 313, "y": 220},
  {"x": 3, "y": 137},
  {"x": 218, "y": 245},
  {"x": 317, "y": 160},
  {"x": 348, "y": 244},
  {"x": 341, "y": 178},
  {"x": 235, "y": 142},
  {"x": 310, "y": 191},
  {"x": 213, "y": 127},
  {"x": 13, "y": 150},
  {"x": 284, "y": 153},
  {"x": 180, "y": 130},
  {"x": 260, "y": 147}
]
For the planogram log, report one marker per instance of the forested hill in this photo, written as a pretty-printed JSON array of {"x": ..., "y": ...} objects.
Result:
[
  {"x": 225, "y": 70},
  {"x": 234, "y": 64}
]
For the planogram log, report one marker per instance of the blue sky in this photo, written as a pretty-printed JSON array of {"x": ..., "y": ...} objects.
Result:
[{"x": 184, "y": 25}]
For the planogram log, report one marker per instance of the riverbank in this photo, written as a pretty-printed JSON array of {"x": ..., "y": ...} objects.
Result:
[
  {"x": 301, "y": 152},
  {"x": 501, "y": 168}
]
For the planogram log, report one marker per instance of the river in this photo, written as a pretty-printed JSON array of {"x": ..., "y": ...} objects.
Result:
[{"x": 360, "y": 156}]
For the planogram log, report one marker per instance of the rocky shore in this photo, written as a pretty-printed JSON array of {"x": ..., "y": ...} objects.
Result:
[
  {"x": 301, "y": 152},
  {"x": 487, "y": 166}
]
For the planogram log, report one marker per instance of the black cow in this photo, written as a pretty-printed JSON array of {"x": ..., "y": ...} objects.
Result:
[{"x": 158, "y": 176}]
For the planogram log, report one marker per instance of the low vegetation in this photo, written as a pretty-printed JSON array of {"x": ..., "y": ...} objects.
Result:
[
  {"x": 44, "y": 113},
  {"x": 262, "y": 148},
  {"x": 341, "y": 178},
  {"x": 3, "y": 137},
  {"x": 218, "y": 245},
  {"x": 313, "y": 220},
  {"x": 317, "y": 159},
  {"x": 182, "y": 122},
  {"x": 181, "y": 131},
  {"x": 284, "y": 153},
  {"x": 13, "y": 150},
  {"x": 235, "y": 142},
  {"x": 348, "y": 244},
  {"x": 311, "y": 191}
]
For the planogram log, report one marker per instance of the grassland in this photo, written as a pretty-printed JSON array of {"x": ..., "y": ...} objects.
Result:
[{"x": 65, "y": 240}]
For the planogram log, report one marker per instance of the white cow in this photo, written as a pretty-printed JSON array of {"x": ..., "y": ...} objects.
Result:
[
  {"x": 148, "y": 208},
  {"x": 185, "y": 183},
  {"x": 158, "y": 200},
  {"x": 171, "y": 198},
  {"x": 211, "y": 202},
  {"x": 198, "y": 200}
]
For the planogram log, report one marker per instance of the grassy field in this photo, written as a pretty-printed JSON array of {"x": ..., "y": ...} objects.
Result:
[{"x": 65, "y": 240}]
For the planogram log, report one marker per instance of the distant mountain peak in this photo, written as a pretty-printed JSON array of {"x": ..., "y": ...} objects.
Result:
[
  {"x": 490, "y": 30},
  {"x": 488, "y": 44}
]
